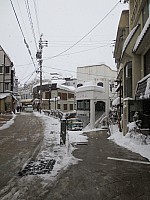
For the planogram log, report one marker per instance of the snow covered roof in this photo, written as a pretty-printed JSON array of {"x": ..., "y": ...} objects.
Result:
[
  {"x": 90, "y": 88},
  {"x": 129, "y": 37},
  {"x": 4, "y": 95},
  {"x": 143, "y": 32},
  {"x": 68, "y": 88},
  {"x": 53, "y": 81}
]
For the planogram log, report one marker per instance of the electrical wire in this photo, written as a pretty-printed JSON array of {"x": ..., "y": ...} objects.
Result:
[
  {"x": 47, "y": 58},
  {"x": 37, "y": 19},
  {"x": 88, "y": 32},
  {"x": 31, "y": 22},
  {"x": 22, "y": 32}
]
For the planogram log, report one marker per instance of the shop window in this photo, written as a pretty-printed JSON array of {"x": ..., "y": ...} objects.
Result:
[{"x": 147, "y": 63}]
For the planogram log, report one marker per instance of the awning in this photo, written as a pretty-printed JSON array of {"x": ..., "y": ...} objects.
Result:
[
  {"x": 141, "y": 36},
  {"x": 129, "y": 37}
]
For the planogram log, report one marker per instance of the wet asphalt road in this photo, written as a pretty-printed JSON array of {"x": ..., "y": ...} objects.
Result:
[
  {"x": 95, "y": 177},
  {"x": 18, "y": 143},
  {"x": 98, "y": 178}
]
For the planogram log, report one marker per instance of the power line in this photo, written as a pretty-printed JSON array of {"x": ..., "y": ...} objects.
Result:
[
  {"x": 36, "y": 14},
  {"x": 88, "y": 32},
  {"x": 47, "y": 58},
  {"x": 22, "y": 32},
  {"x": 31, "y": 21}
]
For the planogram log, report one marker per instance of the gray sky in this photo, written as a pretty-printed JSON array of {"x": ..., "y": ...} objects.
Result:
[{"x": 63, "y": 23}]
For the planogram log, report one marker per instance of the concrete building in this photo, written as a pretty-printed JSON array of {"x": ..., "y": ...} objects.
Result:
[
  {"x": 56, "y": 95},
  {"x": 95, "y": 92},
  {"x": 133, "y": 61}
]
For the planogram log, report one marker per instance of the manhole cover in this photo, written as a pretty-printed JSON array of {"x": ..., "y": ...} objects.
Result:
[{"x": 41, "y": 166}]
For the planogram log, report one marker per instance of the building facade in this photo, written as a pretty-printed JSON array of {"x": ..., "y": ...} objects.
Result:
[
  {"x": 95, "y": 91},
  {"x": 133, "y": 62},
  {"x": 56, "y": 95},
  {"x": 7, "y": 74}
]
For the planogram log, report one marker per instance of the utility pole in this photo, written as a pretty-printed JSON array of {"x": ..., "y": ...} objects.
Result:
[{"x": 40, "y": 61}]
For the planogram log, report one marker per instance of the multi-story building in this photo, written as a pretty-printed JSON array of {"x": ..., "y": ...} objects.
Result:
[
  {"x": 56, "y": 95},
  {"x": 95, "y": 91},
  {"x": 7, "y": 99},
  {"x": 133, "y": 61}
]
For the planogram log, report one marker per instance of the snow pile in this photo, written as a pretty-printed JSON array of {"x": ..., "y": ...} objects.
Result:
[
  {"x": 51, "y": 148},
  {"x": 133, "y": 140},
  {"x": 8, "y": 123}
]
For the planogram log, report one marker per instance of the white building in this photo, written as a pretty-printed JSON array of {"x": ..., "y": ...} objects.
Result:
[{"x": 95, "y": 91}]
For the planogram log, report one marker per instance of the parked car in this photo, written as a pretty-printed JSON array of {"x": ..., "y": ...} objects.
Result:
[
  {"x": 28, "y": 108},
  {"x": 74, "y": 124}
]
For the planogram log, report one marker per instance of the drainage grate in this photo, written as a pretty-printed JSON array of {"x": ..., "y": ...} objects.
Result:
[{"x": 41, "y": 166}]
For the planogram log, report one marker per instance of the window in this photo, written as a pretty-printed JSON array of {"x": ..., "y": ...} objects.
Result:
[
  {"x": 64, "y": 96},
  {"x": 1, "y": 69},
  {"x": 100, "y": 84},
  {"x": 83, "y": 105},
  {"x": 147, "y": 63},
  {"x": 70, "y": 96},
  {"x": 6, "y": 86},
  {"x": 47, "y": 95},
  {"x": 65, "y": 106},
  {"x": 128, "y": 80},
  {"x": 6, "y": 69},
  {"x": 71, "y": 106},
  {"x": 58, "y": 106}
]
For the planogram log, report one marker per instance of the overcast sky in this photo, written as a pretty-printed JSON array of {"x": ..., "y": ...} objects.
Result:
[{"x": 63, "y": 23}]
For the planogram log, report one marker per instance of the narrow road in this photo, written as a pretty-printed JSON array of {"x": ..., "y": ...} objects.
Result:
[
  {"x": 17, "y": 143},
  {"x": 98, "y": 178},
  {"x": 105, "y": 170}
]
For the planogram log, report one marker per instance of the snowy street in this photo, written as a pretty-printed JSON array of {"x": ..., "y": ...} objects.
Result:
[{"x": 89, "y": 166}]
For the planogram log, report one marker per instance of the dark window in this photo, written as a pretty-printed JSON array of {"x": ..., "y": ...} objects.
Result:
[
  {"x": 6, "y": 86},
  {"x": 83, "y": 105},
  {"x": 128, "y": 80},
  {"x": 47, "y": 95},
  {"x": 65, "y": 106},
  {"x": 100, "y": 84},
  {"x": 70, "y": 95},
  {"x": 64, "y": 96},
  {"x": 58, "y": 106},
  {"x": 147, "y": 63},
  {"x": 1, "y": 69},
  {"x": 71, "y": 106},
  {"x": 7, "y": 70},
  {"x": 79, "y": 85}
]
